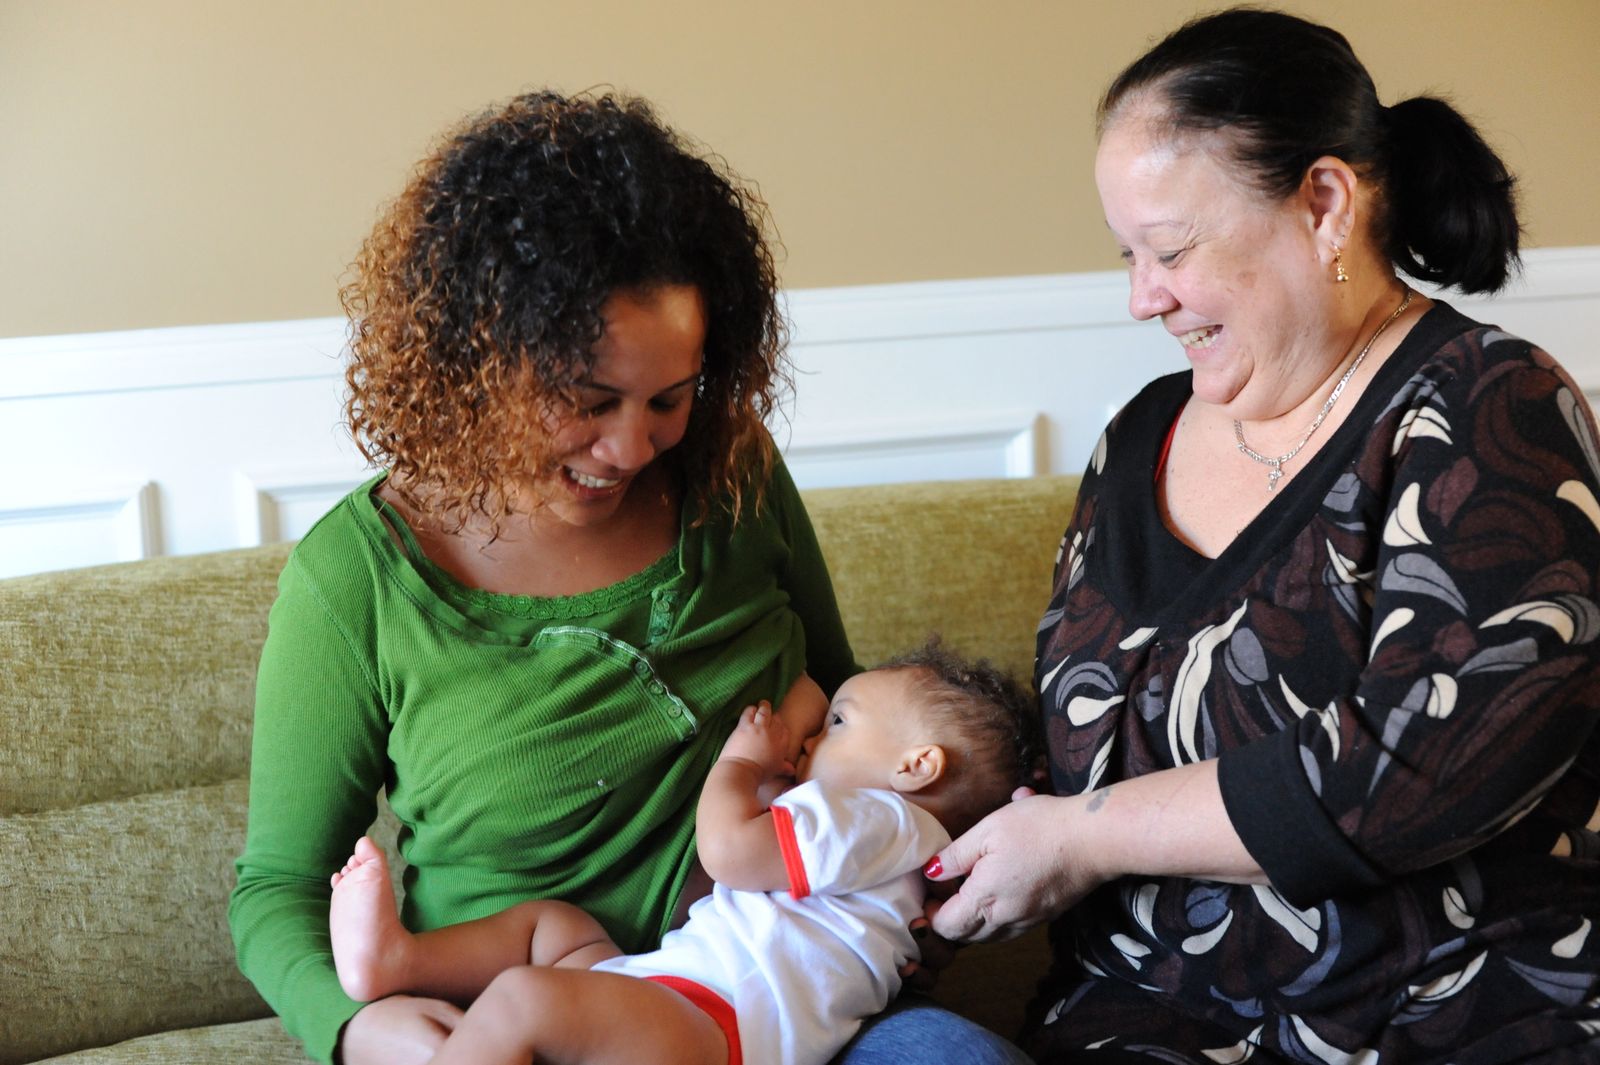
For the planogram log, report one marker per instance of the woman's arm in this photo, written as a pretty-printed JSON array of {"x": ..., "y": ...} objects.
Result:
[
  {"x": 1033, "y": 859},
  {"x": 317, "y": 763},
  {"x": 398, "y": 1030},
  {"x": 1476, "y": 607},
  {"x": 805, "y": 577}
]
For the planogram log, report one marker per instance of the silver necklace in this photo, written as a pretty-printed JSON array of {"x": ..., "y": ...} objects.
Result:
[{"x": 1276, "y": 464}]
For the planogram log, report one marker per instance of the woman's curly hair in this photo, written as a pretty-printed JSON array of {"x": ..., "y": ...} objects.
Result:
[{"x": 475, "y": 302}]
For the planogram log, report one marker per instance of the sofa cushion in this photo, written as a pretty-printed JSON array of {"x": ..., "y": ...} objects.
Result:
[
  {"x": 248, "y": 1043},
  {"x": 131, "y": 678},
  {"x": 116, "y": 921}
]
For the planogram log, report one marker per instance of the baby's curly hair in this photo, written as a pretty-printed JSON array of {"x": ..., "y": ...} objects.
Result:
[
  {"x": 474, "y": 304},
  {"x": 995, "y": 718}
]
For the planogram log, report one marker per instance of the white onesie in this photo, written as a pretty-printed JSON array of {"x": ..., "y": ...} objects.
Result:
[{"x": 802, "y": 968}]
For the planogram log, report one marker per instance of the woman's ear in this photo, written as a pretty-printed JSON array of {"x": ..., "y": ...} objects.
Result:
[
  {"x": 920, "y": 767},
  {"x": 1329, "y": 193}
]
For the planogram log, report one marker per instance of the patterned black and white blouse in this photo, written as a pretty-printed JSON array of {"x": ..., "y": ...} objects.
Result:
[{"x": 1397, "y": 665}]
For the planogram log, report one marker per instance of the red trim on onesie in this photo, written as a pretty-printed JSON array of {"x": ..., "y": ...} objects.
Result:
[
  {"x": 793, "y": 864},
  {"x": 712, "y": 1005}
]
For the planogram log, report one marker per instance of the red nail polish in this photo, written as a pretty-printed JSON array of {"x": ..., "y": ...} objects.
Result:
[{"x": 933, "y": 868}]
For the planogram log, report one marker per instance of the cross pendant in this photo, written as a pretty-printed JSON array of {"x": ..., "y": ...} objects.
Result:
[{"x": 1272, "y": 478}]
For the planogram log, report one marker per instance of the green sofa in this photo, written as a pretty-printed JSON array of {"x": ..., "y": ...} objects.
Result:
[{"x": 125, "y": 709}]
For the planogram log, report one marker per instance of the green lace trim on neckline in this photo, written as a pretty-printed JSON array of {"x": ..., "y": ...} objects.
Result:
[{"x": 582, "y": 605}]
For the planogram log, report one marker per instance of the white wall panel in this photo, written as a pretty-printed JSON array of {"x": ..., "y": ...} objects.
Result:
[
  {"x": 120, "y": 445},
  {"x": 189, "y": 442},
  {"x": 1556, "y": 305},
  {"x": 78, "y": 524},
  {"x": 986, "y": 444},
  {"x": 283, "y": 502},
  {"x": 1061, "y": 349}
]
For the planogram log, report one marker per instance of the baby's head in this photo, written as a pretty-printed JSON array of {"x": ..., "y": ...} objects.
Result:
[{"x": 955, "y": 737}]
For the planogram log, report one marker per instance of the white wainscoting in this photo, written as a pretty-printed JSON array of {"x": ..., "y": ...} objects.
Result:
[
  {"x": 80, "y": 524},
  {"x": 172, "y": 441}
]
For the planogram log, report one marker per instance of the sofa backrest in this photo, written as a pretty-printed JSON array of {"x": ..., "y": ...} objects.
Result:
[
  {"x": 125, "y": 699},
  {"x": 126, "y": 695},
  {"x": 970, "y": 560}
]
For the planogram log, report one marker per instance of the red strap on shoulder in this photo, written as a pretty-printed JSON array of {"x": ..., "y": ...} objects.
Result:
[{"x": 1166, "y": 445}]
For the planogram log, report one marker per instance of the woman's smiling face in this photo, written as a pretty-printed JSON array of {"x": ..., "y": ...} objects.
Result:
[
  {"x": 1232, "y": 275},
  {"x": 635, "y": 404}
]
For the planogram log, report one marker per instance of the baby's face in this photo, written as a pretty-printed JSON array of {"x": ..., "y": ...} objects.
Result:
[{"x": 872, "y": 721}]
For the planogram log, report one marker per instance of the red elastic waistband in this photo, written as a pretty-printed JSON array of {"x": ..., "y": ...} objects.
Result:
[{"x": 713, "y": 1005}]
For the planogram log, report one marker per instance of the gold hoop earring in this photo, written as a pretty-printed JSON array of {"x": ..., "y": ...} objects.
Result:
[{"x": 1339, "y": 276}]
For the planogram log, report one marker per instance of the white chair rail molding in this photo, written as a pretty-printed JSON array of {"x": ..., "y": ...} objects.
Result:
[{"x": 121, "y": 446}]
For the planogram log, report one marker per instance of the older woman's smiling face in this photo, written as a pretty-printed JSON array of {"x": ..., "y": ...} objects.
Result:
[{"x": 1231, "y": 274}]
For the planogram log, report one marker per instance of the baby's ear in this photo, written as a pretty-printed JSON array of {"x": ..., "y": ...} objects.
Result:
[{"x": 920, "y": 767}]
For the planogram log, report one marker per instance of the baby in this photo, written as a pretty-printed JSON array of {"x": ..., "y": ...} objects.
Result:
[{"x": 807, "y": 927}]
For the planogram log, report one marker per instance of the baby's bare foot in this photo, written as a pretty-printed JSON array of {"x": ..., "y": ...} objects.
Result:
[{"x": 369, "y": 942}]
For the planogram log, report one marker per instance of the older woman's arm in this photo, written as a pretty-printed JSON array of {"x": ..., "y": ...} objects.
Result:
[
  {"x": 1038, "y": 856},
  {"x": 1483, "y": 657}
]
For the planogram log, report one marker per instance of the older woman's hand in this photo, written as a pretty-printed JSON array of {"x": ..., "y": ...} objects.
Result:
[
  {"x": 1020, "y": 869},
  {"x": 399, "y": 1030},
  {"x": 1039, "y": 855}
]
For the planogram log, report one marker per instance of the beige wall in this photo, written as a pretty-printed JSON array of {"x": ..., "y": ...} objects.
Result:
[{"x": 167, "y": 162}]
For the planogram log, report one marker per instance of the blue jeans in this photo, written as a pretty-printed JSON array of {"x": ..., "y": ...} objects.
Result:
[{"x": 913, "y": 1031}]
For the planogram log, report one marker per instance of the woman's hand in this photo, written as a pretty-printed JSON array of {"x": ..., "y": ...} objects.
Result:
[
  {"x": 1020, "y": 867},
  {"x": 399, "y": 1030},
  {"x": 1039, "y": 855}
]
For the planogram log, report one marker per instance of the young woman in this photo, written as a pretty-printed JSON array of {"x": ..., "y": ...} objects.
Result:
[{"x": 537, "y": 626}]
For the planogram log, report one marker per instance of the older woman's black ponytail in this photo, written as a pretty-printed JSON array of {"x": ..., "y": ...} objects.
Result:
[{"x": 1452, "y": 216}]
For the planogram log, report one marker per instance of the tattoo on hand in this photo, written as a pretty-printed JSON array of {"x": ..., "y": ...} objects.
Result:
[{"x": 1098, "y": 799}]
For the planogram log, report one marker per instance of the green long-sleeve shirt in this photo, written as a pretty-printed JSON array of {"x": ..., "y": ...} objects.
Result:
[{"x": 531, "y": 747}]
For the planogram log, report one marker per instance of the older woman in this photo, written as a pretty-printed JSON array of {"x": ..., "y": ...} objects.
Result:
[{"x": 1320, "y": 669}]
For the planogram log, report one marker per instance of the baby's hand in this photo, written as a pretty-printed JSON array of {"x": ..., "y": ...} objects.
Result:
[{"x": 762, "y": 739}]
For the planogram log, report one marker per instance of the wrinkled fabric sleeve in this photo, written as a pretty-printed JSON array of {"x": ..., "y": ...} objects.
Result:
[
  {"x": 837, "y": 841},
  {"x": 1482, "y": 650},
  {"x": 317, "y": 762}
]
